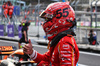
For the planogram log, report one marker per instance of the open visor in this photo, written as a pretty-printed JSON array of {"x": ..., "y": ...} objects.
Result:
[{"x": 46, "y": 15}]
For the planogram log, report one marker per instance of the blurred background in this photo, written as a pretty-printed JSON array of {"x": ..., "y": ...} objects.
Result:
[
  {"x": 87, "y": 16},
  {"x": 87, "y": 13}
]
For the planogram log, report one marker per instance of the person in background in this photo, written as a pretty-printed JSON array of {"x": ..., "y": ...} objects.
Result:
[
  {"x": 62, "y": 48},
  {"x": 92, "y": 37},
  {"x": 24, "y": 30},
  {"x": 10, "y": 8},
  {"x": 8, "y": 3},
  {"x": 5, "y": 9}
]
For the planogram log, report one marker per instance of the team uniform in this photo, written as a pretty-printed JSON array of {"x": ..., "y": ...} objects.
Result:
[
  {"x": 65, "y": 53},
  {"x": 11, "y": 7},
  {"x": 5, "y": 10}
]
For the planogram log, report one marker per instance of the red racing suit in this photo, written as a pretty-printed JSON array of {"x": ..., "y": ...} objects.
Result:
[
  {"x": 65, "y": 53},
  {"x": 5, "y": 10},
  {"x": 11, "y": 11}
]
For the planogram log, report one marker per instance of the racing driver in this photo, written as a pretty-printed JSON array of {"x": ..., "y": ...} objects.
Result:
[{"x": 63, "y": 51}]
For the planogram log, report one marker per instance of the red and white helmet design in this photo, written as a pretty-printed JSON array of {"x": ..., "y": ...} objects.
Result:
[{"x": 59, "y": 17}]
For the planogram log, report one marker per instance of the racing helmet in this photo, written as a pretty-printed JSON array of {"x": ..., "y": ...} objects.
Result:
[{"x": 59, "y": 17}]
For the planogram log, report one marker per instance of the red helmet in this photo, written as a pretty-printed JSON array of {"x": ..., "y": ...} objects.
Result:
[{"x": 59, "y": 17}]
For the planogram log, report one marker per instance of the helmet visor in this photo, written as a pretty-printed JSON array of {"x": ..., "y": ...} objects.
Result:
[{"x": 46, "y": 15}]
